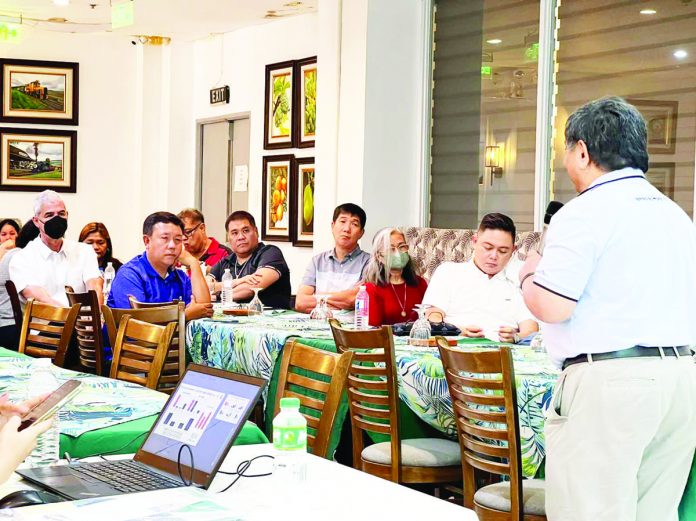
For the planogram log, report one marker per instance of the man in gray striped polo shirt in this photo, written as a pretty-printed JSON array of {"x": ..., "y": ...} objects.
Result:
[{"x": 337, "y": 273}]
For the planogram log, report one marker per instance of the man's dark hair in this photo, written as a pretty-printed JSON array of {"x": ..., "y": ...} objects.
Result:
[
  {"x": 26, "y": 234},
  {"x": 498, "y": 221},
  {"x": 240, "y": 215},
  {"x": 614, "y": 132},
  {"x": 353, "y": 210},
  {"x": 194, "y": 215},
  {"x": 160, "y": 217}
]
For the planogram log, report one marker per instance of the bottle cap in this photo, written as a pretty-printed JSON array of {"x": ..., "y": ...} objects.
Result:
[
  {"x": 362, "y": 287},
  {"x": 289, "y": 403},
  {"x": 109, "y": 265}
]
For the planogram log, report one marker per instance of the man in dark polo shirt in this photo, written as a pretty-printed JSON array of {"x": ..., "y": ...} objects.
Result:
[
  {"x": 152, "y": 277},
  {"x": 253, "y": 264},
  {"x": 197, "y": 241}
]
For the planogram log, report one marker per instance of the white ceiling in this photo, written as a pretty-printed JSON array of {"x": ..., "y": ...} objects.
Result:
[{"x": 181, "y": 19}]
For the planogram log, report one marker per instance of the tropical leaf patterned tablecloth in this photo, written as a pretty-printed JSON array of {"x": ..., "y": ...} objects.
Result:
[
  {"x": 101, "y": 402},
  {"x": 424, "y": 389}
]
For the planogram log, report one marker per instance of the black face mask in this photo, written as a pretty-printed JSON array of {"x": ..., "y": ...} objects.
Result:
[{"x": 55, "y": 227}]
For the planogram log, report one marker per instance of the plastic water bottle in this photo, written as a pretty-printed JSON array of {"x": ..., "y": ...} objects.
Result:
[
  {"x": 227, "y": 292},
  {"x": 290, "y": 443},
  {"x": 42, "y": 381},
  {"x": 362, "y": 309},
  {"x": 109, "y": 274}
]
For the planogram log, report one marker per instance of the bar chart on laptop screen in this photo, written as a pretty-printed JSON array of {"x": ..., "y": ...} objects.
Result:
[{"x": 189, "y": 413}]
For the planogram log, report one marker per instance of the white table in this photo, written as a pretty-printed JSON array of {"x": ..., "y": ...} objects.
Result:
[{"x": 332, "y": 491}]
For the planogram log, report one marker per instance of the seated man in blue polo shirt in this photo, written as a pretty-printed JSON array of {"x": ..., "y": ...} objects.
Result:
[
  {"x": 337, "y": 273},
  {"x": 152, "y": 277}
]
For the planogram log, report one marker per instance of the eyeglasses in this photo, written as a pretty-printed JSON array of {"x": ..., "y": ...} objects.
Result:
[
  {"x": 191, "y": 231},
  {"x": 401, "y": 248}
]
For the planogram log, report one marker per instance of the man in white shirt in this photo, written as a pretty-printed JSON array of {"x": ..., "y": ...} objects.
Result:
[
  {"x": 479, "y": 296},
  {"x": 619, "y": 318},
  {"x": 49, "y": 263}
]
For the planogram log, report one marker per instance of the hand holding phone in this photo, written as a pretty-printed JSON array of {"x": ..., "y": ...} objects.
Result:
[{"x": 50, "y": 405}]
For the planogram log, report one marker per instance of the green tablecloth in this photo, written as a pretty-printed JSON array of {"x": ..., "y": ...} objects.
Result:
[{"x": 126, "y": 437}]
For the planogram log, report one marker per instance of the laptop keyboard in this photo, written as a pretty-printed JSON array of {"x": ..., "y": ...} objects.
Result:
[{"x": 126, "y": 475}]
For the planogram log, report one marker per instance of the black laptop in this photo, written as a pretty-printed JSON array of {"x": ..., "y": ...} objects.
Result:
[{"x": 205, "y": 414}]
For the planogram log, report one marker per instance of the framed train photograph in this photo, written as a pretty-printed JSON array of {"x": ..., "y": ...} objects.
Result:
[
  {"x": 35, "y": 91},
  {"x": 32, "y": 160}
]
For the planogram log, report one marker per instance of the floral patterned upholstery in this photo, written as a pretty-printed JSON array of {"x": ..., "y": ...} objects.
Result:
[{"x": 430, "y": 247}]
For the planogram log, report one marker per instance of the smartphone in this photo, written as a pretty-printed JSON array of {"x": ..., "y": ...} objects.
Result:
[{"x": 51, "y": 404}]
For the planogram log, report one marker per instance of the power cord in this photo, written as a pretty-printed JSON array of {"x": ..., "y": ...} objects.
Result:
[
  {"x": 241, "y": 469},
  {"x": 178, "y": 465}
]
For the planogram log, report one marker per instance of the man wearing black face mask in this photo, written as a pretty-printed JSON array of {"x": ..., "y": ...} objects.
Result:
[{"x": 50, "y": 262}]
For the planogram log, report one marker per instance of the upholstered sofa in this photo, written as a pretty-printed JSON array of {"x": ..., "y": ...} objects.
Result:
[{"x": 432, "y": 246}]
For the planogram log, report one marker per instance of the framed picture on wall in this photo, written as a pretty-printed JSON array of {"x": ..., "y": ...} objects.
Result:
[
  {"x": 39, "y": 92},
  {"x": 306, "y": 102},
  {"x": 276, "y": 220},
  {"x": 661, "y": 175},
  {"x": 302, "y": 210},
  {"x": 278, "y": 112},
  {"x": 32, "y": 160},
  {"x": 661, "y": 120}
]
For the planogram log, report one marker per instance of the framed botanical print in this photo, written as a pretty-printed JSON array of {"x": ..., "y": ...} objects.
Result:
[
  {"x": 35, "y": 91},
  {"x": 661, "y": 120},
  {"x": 32, "y": 160},
  {"x": 306, "y": 102},
  {"x": 277, "y": 190},
  {"x": 302, "y": 210},
  {"x": 279, "y": 106}
]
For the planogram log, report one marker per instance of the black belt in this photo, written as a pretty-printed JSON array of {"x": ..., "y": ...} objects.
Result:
[{"x": 631, "y": 352}]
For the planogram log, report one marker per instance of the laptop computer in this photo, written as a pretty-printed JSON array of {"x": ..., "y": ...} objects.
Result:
[{"x": 206, "y": 412}]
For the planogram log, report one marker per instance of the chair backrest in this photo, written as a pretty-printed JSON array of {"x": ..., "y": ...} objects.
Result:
[
  {"x": 175, "y": 364},
  {"x": 14, "y": 302},
  {"x": 484, "y": 399},
  {"x": 136, "y": 304},
  {"x": 88, "y": 329},
  {"x": 140, "y": 351},
  {"x": 300, "y": 368},
  {"x": 47, "y": 330},
  {"x": 372, "y": 388}
]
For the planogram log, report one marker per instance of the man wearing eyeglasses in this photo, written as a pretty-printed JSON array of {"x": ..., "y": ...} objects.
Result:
[
  {"x": 196, "y": 240},
  {"x": 50, "y": 262}
]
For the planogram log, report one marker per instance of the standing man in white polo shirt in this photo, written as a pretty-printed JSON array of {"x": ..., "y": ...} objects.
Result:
[
  {"x": 479, "y": 296},
  {"x": 616, "y": 289},
  {"x": 49, "y": 263}
]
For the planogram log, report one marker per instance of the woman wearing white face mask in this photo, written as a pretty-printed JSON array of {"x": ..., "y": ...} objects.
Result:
[{"x": 392, "y": 283}]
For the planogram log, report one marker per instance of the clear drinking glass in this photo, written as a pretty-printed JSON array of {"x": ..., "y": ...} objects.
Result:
[
  {"x": 321, "y": 312},
  {"x": 420, "y": 331},
  {"x": 255, "y": 307}
]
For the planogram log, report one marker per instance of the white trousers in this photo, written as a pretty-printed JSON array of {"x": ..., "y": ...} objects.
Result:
[{"x": 620, "y": 439}]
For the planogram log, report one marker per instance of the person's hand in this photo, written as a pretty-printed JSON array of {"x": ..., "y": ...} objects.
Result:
[
  {"x": 17, "y": 445},
  {"x": 9, "y": 409},
  {"x": 507, "y": 334},
  {"x": 199, "y": 310},
  {"x": 7, "y": 245},
  {"x": 434, "y": 314},
  {"x": 472, "y": 332},
  {"x": 252, "y": 280},
  {"x": 530, "y": 264},
  {"x": 188, "y": 260}
]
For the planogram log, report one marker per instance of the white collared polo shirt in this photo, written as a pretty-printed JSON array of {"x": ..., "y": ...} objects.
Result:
[{"x": 627, "y": 255}]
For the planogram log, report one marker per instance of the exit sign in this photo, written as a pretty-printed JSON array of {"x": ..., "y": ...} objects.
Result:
[{"x": 220, "y": 95}]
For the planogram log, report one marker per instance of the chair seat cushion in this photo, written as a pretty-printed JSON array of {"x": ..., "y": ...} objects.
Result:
[
  {"x": 419, "y": 452},
  {"x": 497, "y": 496}
]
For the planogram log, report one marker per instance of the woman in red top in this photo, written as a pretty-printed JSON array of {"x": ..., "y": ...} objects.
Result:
[{"x": 391, "y": 280}]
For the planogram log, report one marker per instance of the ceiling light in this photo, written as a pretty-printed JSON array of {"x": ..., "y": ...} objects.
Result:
[
  {"x": 494, "y": 41},
  {"x": 648, "y": 11},
  {"x": 61, "y": 2},
  {"x": 680, "y": 54}
]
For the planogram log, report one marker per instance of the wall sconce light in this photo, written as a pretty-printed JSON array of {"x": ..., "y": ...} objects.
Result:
[{"x": 493, "y": 160}]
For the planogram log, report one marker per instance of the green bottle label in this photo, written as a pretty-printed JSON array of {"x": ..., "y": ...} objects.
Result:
[{"x": 290, "y": 438}]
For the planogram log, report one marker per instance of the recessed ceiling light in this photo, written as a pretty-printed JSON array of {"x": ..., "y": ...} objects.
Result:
[
  {"x": 680, "y": 54},
  {"x": 61, "y": 2},
  {"x": 648, "y": 11},
  {"x": 494, "y": 41}
]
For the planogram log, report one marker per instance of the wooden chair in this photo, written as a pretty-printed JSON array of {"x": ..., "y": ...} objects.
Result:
[
  {"x": 88, "y": 329},
  {"x": 14, "y": 302},
  {"x": 140, "y": 351},
  {"x": 136, "y": 304},
  {"x": 47, "y": 330},
  {"x": 374, "y": 407},
  {"x": 175, "y": 363},
  {"x": 493, "y": 446},
  {"x": 326, "y": 396}
]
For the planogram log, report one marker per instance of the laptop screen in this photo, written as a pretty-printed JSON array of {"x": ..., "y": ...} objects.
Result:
[{"x": 205, "y": 412}]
